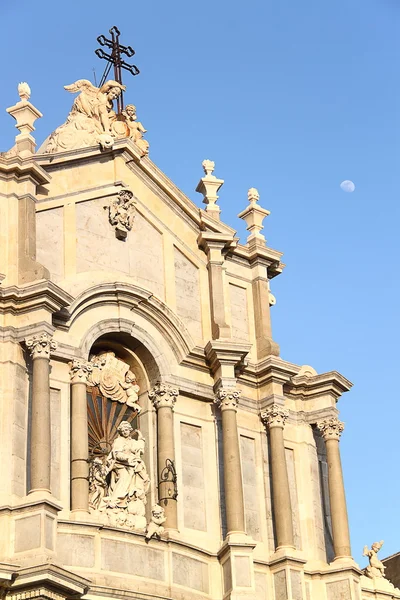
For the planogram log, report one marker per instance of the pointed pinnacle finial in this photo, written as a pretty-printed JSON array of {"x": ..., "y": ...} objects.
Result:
[
  {"x": 209, "y": 186},
  {"x": 254, "y": 216},
  {"x": 24, "y": 91},
  {"x": 253, "y": 195}
]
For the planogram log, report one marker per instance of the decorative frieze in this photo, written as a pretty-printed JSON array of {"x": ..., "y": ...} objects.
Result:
[
  {"x": 40, "y": 346},
  {"x": 228, "y": 398},
  {"x": 163, "y": 394},
  {"x": 331, "y": 428},
  {"x": 275, "y": 416},
  {"x": 79, "y": 371}
]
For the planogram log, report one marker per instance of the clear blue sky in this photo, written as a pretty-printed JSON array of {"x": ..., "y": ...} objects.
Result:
[{"x": 291, "y": 97}]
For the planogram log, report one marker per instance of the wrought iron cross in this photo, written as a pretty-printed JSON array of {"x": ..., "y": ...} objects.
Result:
[{"x": 114, "y": 59}]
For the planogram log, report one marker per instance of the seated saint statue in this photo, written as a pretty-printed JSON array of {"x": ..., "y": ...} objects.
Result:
[{"x": 128, "y": 475}]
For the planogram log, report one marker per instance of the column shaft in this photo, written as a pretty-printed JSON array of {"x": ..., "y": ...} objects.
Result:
[
  {"x": 234, "y": 503},
  {"x": 166, "y": 451},
  {"x": 280, "y": 490},
  {"x": 79, "y": 448},
  {"x": 337, "y": 498},
  {"x": 40, "y": 439}
]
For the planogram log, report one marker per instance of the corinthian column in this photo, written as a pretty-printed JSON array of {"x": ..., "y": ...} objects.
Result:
[
  {"x": 331, "y": 430},
  {"x": 40, "y": 347},
  {"x": 227, "y": 399},
  {"x": 274, "y": 419},
  {"x": 79, "y": 371},
  {"x": 164, "y": 397}
]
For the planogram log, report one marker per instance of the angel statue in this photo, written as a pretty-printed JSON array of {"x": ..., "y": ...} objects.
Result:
[
  {"x": 375, "y": 568},
  {"x": 91, "y": 118}
]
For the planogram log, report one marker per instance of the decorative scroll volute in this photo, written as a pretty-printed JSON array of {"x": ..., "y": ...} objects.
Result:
[
  {"x": 40, "y": 346},
  {"x": 228, "y": 398},
  {"x": 275, "y": 416},
  {"x": 331, "y": 428},
  {"x": 163, "y": 395}
]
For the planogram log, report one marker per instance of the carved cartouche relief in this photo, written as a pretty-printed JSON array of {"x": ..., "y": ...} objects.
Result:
[{"x": 121, "y": 213}]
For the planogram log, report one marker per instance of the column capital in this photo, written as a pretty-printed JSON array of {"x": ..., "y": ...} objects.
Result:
[
  {"x": 79, "y": 371},
  {"x": 227, "y": 398},
  {"x": 163, "y": 395},
  {"x": 41, "y": 345},
  {"x": 274, "y": 416},
  {"x": 331, "y": 428}
]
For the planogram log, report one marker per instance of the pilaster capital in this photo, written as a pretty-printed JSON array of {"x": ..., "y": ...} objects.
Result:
[
  {"x": 331, "y": 428},
  {"x": 163, "y": 395},
  {"x": 41, "y": 345},
  {"x": 227, "y": 398},
  {"x": 79, "y": 371},
  {"x": 274, "y": 416}
]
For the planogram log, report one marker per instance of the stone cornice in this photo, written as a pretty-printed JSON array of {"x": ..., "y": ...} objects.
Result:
[
  {"x": 16, "y": 167},
  {"x": 43, "y": 294},
  {"x": 220, "y": 352},
  {"x": 306, "y": 387},
  {"x": 52, "y": 578}
]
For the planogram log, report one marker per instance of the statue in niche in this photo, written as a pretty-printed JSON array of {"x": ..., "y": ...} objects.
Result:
[
  {"x": 155, "y": 527},
  {"x": 114, "y": 379},
  {"x": 122, "y": 212},
  {"x": 375, "y": 568},
  {"x": 97, "y": 483},
  {"x": 119, "y": 486},
  {"x": 93, "y": 121}
]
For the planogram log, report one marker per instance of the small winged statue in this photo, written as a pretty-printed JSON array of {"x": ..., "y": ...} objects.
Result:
[{"x": 375, "y": 568}]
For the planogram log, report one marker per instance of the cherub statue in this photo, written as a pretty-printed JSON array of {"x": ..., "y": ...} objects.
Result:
[
  {"x": 131, "y": 388},
  {"x": 97, "y": 483},
  {"x": 135, "y": 128},
  {"x": 375, "y": 568},
  {"x": 90, "y": 119},
  {"x": 155, "y": 527}
]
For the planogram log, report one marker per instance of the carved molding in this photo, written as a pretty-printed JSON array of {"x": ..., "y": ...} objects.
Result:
[
  {"x": 228, "y": 398},
  {"x": 40, "y": 346},
  {"x": 163, "y": 394},
  {"x": 80, "y": 371},
  {"x": 275, "y": 416},
  {"x": 331, "y": 428}
]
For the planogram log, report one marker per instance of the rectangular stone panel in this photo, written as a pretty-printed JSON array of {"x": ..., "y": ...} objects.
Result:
[
  {"x": 50, "y": 241},
  {"x": 190, "y": 572},
  {"x": 293, "y": 496},
  {"x": 187, "y": 290},
  {"x": 75, "y": 550},
  {"x": 55, "y": 414},
  {"x": 239, "y": 313},
  {"x": 193, "y": 492},
  {"x": 338, "y": 590},
  {"x": 27, "y": 533},
  {"x": 49, "y": 532},
  {"x": 295, "y": 580},
  {"x": 132, "y": 559},
  {"x": 260, "y": 580},
  {"x": 280, "y": 585},
  {"x": 242, "y": 571},
  {"x": 227, "y": 575},
  {"x": 250, "y": 490}
]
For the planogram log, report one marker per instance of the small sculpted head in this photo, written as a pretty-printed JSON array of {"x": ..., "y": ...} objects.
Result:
[
  {"x": 125, "y": 429},
  {"x": 130, "y": 111}
]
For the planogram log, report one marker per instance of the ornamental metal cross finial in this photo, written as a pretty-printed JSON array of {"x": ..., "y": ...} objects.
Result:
[{"x": 114, "y": 59}]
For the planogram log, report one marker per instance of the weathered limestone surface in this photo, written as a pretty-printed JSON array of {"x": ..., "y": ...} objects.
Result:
[
  {"x": 239, "y": 313},
  {"x": 76, "y": 550},
  {"x": 50, "y": 241},
  {"x": 190, "y": 572},
  {"x": 188, "y": 299},
  {"x": 193, "y": 477},
  {"x": 250, "y": 487}
]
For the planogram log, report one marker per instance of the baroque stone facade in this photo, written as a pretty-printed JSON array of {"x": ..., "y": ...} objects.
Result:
[{"x": 154, "y": 443}]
